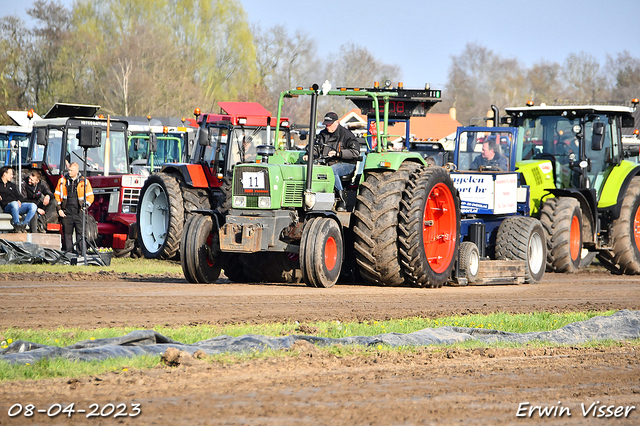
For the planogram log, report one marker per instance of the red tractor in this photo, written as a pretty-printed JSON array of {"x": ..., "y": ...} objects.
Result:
[
  {"x": 55, "y": 143},
  {"x": 170, "y": 196}
]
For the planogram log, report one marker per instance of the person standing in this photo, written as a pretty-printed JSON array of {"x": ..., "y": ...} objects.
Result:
[
  {"x": 73, "y": 197},
  {"x": 342, "y": 150},
  {"x": 38, "y": 192},
  {"x": 12, "y": 201}
]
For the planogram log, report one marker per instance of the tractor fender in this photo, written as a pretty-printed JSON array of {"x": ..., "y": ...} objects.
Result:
[
  {"x": 328, "y": 214},
  {"x": 193, "y": 175},
  {"x": 218, "y": 218},
  {"x": 587, "y": 200},
  {"x": 631, "y": 172}
]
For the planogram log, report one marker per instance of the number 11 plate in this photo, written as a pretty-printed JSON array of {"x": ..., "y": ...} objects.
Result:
[{"x": 253, "y": 180}]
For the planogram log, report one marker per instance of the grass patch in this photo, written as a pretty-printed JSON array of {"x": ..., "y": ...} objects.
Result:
[
  {"x": 520, "y": 323},
  {"x": 58, "y": 367},
  {"x": 119, "y": 265}
]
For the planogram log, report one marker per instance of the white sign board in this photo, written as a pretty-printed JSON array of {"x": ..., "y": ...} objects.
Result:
[{"x": 487, "y": 193}]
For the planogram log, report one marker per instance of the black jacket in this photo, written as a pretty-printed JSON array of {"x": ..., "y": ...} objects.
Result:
[
  {"x": 36, "y": 193},
  {"x": 9, "y": 193},
  {"x": 341, "y": 141}
]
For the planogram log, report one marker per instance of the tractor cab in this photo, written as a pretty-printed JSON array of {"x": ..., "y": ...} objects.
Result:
[{"x": 55, "y": 143}]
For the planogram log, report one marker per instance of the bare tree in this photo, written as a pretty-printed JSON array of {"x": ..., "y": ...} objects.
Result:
[
  {"x": 583, "y": 78},
  {"x": 624, "y": 71},
  {"x": 544, "y": 82}
]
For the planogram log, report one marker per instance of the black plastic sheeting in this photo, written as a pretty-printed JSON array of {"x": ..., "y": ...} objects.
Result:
[
  {"x": 623, "y": 325},
  {"x": 16, "y": 253}
]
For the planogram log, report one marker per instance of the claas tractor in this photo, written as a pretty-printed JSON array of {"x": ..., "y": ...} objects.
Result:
[
  {"x": 583, "y": 189},
  {"x": 171, "y": 194},
  {"x": 401, "y": 225},
  {"x": 496, "y": 224},
  {"x": 55, "y": 143}
]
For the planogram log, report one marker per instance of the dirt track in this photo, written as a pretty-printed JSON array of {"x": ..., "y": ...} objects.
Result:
[{"x": 429, "y": 387}]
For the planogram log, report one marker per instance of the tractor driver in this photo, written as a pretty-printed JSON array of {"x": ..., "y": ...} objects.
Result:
[
  {"x": 490, "y": 156},
  {"x": 342, "y": 150}
]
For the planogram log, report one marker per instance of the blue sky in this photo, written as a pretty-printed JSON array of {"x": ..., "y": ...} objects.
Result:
[{"x": 420, "y": 36}]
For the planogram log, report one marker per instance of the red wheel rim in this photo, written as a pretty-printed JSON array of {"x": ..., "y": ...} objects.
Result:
[
  {"x": 439, "y": 228},
  {"x": 574, "y": 238},
  {"x": 210, "y": 261},
  {"x": 636, "y": 228},
  {"x": 330, "y": 253}
]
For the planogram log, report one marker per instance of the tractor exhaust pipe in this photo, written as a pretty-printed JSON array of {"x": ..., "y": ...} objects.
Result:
[
  {"x": 496, "y": 116},
  {"x": 312, "y": 136}
]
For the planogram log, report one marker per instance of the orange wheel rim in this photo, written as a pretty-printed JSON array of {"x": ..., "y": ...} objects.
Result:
[
  {"x": 636, "y": 228},
  {"x": 330, "y": 253},
  {"x": 439, "y": 228},
  {"x": 574, "y": 238}
]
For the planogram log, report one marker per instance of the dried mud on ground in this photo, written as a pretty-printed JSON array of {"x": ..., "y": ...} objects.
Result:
[{"x": 430, "y": 386}]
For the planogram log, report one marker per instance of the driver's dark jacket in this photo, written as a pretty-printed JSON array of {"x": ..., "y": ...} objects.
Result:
[
  {"x": 342, "y": 141},
  {"x": 498, "y": 160}
]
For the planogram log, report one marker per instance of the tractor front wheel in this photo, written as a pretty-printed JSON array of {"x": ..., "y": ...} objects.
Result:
[
  {"x": 626, "y": 231},
  {"x": 321, "y": 252},
  {"x": 562, "y": 220},
  {"x": 469, "y": 261},
  {"x": 428, "y": 228},
  {"x": 201, "y": 260},
  {"x": 523, "y": 238}
]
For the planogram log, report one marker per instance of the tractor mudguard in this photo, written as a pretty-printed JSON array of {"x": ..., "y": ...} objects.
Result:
[
  {"x": 378, "y": 160},
  {"x": 192, "y": 174},
  {"x": 218, "y": 218},
  {"x": 616, "y": 186},
  {"x": 587, "y": 199}
]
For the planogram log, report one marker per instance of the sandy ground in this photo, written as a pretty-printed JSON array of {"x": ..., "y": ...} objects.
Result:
[{"x": 431, "y": 386}]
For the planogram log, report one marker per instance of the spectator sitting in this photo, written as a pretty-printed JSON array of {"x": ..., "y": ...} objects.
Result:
[
  {"x": 11, "y": 201},
  {"x": 38, "y": 192}
]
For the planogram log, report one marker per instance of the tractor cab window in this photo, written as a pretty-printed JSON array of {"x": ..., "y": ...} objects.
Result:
[
  {"x": 244, "y": 143},
  {"x": 600, "y": 159},
  {"x": 54, "y": 151},
  {"x": 218, "y": 143},
  {"x": 168, "y": 150},
  {"x": 481, "y": 149},
  {"x": 116, "y": 156},
  {"x": 550, "y": 137},
  {"x": 10, "y": 143},
  {"x": 139, "y": 154}
]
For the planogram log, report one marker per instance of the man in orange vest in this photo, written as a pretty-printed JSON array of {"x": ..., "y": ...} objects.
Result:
[{"x": 73, "y": 198}]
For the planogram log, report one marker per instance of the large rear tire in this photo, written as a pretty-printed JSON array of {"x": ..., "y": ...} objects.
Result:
[
  {"x": 195, "y": 199},
  {"x": 428, "y": 229},
  {"x": 376, "y": 225},
  {"x": 321, "y": 252},
  {"x": 523, "y": 238},
  {"x": 626, "y": 231},
  {"x": 562, "y": 220},
  {"x": 160, "y": 217}
]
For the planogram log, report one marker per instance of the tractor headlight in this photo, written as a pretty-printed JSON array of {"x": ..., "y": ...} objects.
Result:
[
  {"x": 264, "y": 202},
  {"x": 240, "y": 201},
  {"x": 126, "y": 209}
]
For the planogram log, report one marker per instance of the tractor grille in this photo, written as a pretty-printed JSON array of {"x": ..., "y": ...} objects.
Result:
[
  {"x": 130, "y": 199},
  {"x": 252, "y": 202},
  {"x": 293, "y": 194},
  {"x": 537, "y": 175},
  {"x": 238, "y": 188}
]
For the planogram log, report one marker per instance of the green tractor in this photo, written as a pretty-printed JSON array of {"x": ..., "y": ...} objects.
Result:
[
  {"x": 584, "y": 190},
  {"x": 401, "y": 226}
]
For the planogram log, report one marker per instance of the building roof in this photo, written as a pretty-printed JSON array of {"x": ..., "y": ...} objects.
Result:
[{"x": 431, "y": 127}]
